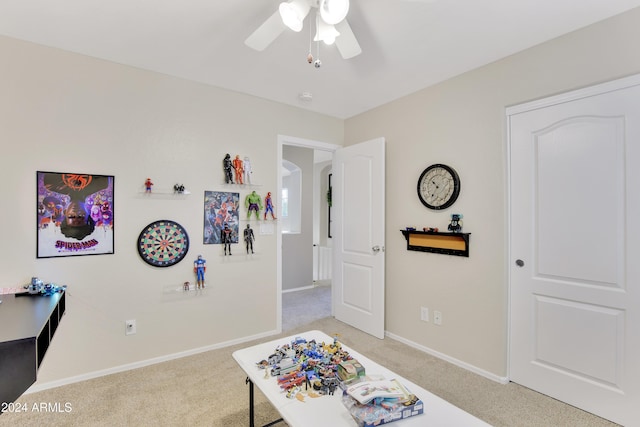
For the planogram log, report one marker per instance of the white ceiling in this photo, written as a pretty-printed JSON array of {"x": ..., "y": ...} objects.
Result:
[{"x": 406, "y": 45}]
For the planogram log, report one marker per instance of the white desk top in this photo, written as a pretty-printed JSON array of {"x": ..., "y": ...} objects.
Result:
[{"x": 329, "y": 410}]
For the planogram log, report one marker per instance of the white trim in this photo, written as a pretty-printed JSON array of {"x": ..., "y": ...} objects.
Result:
[
  {"x": 142, "y": 363},
  {"x": 454, "y": 361},
  {"x": 597, "y": 89},
  {"x": 302, "y": 288}
]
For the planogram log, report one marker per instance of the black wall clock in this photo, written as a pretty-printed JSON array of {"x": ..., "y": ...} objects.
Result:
[
  {"x": 163, "y": 243},
  {"x": 438, "y": 186}
]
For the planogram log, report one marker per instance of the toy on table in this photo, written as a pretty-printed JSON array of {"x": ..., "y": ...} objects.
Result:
[
  {"x": 147, "y": 185},
  {"x": 199, "y": 267},
  {"x": 254, "y": 203},
  {"x": 249, "y": 238},
  {"x": 456, "y": 223},
  {"x": 226, "y": 237},
  {"x": 238, "y": 167},
  {"x": 178, "y": 188},
  {"x": 227, "y": 167},
  {"x": 268, "y": 206},
  {"x": 306, "y": 363}
]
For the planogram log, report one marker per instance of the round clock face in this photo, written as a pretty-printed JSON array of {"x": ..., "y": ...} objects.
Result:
[
  {"x": 163, "y": 243},
  {"x": 438, "y": 187}
]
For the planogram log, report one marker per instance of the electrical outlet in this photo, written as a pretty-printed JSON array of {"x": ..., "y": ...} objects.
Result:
[
  {"x": 130, "y": 327},
  {"x": 424, "y": 314},
  {"x": 437, "y": 318}
]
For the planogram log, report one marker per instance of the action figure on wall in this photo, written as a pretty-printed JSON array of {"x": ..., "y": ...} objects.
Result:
[
  {"x": 254, "y": 203},
  {"x": 199, "y": 267},
  {"x": 249, "y": 238},
  {"x": 147, "y": 185},
  {"x": 456, "y": 223},
  {"x": 238, "y": 167},
  {"x": 227, "y": 166},
  {"x": 268, "y": 206},
  {"x": 226, "y": 238},
  {"x": 247, "y": 170}
]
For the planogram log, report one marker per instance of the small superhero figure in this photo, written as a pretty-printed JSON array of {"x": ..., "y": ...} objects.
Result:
[
  {"x": 225, "y": 238},
  {"x": 253, "y": 202},
  {"x": 238, "y": 167},
  {"x": 227, "y": 166},
  {"x": 268, "y": 206},
  {"x": 199, "y": 267},
  {"x": 456, "y": 223},
  {"x": 247, "y": 170},
  {"x": 147, "y": 185},
  {"x": 249, "y": 238}
]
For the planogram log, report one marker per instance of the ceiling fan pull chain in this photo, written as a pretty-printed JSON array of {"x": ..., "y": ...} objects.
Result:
[{"x": 310, "y": 56}]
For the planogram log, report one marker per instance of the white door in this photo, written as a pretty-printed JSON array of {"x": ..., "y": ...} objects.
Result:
[
  {"x": 575, "y": 248},
  {"x": 358, "y": 233}
]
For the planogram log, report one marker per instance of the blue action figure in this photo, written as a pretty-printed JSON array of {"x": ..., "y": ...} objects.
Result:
[
  {"x": 199, "y": 267},
  {"x": 268, "y": 203}
]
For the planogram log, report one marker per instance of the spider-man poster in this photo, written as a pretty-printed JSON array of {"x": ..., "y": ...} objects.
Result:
[
  {"x": 74, "y": 214},
  {"x": 220, "y": 209}
]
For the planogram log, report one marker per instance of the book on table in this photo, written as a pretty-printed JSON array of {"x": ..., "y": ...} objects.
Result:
[{"x": 366, "y": 391}]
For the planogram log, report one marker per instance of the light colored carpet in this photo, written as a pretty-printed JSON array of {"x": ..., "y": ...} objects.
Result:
[
  {"x": 300, "y": 307},
  {"x": 209, "y": 389}
]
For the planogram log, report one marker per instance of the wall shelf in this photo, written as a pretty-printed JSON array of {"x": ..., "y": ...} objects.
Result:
[
  {"x": 440, "y": 243},
  {"x": 28, "y": 325}
]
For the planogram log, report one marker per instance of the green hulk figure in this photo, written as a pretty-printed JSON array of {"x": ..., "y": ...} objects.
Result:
[{"x": 253, "y": 201}]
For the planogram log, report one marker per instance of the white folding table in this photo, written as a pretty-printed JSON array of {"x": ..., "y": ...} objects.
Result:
[{"x": 329, "y": 410}]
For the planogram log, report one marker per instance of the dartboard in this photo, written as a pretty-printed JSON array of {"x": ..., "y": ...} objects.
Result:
[{"x": 163, "y": 243}]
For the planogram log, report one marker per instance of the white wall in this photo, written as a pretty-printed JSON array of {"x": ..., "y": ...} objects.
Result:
[
  {"x": 461, "y": 123},
  {"x": 64, "y": 112}
]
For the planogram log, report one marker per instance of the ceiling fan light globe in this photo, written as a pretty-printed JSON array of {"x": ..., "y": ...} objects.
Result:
[
  {"x": 333, "y": 11},
  {"x": 325, "y": 32},
  {"x": 290, "y": 16}
]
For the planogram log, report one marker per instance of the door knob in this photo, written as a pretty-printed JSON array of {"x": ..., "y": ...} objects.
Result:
[
  {"x": 520, "y": 263},
  {"x": 376, "y": 249}
]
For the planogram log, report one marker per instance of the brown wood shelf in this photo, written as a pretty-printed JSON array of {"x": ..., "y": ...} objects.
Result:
[{"x": 437, "y": 242}]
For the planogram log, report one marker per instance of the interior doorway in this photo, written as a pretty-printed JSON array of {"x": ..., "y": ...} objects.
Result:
[{"x": 304, "y": 271}]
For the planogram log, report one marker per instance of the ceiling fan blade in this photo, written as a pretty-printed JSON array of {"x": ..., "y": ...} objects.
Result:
[
  {"x": 346, "y": 41},
  {"x": 266, "y": 33}
]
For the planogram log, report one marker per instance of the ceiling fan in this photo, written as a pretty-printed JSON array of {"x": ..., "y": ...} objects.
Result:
[{"x": 331, "y": 25}]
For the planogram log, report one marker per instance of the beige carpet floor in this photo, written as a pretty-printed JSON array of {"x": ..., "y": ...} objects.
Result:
[{"x": 209, "y": 389}]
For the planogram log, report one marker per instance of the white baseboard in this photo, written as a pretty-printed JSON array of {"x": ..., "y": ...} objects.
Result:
[
  {"x": 302, "y": 288},
  {"x": 140, "y": 364},
  {"x": 454, "y": 361}
]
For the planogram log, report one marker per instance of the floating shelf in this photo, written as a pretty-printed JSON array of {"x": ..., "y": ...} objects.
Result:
[{"x": 437, "y": 242}]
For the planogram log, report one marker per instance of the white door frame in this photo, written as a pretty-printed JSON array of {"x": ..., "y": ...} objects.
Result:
[
  {"x": 631, "y": 371},
  {"x": 298, "y": 142},
  {"x": 568, "y": 96}
]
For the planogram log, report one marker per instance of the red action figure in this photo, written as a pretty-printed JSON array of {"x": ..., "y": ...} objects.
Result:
[
  {"x": 237, "y": 165},
  {"x": 147, "y": 185}
]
